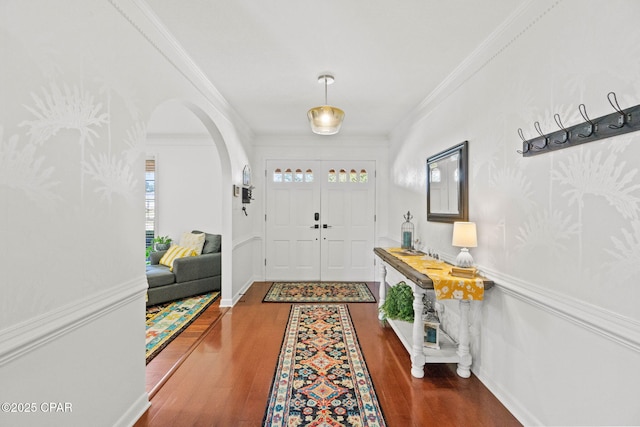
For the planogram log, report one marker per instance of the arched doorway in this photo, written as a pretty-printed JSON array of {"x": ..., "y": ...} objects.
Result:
[{"x": 194, "y": 169}]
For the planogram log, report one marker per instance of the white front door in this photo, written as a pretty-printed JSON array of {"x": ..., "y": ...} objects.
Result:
[{"x": 320, "y": 220}]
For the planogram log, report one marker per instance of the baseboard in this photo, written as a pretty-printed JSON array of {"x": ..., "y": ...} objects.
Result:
[
  {"x": 33, "y": 333},
  {"x": 231, "y": 302},
  {"x": 135, "y": 411},
  {"x": 513, "y": 405}
]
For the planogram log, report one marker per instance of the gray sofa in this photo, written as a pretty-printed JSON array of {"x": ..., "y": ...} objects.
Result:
[{"x": 190, "y": 276}]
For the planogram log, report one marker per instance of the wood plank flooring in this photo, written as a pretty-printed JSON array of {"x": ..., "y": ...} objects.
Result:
[{"x": 229, "y": 358}]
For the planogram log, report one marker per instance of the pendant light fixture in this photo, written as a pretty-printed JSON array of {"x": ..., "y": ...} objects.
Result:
[{"x": 325, "y": 119}]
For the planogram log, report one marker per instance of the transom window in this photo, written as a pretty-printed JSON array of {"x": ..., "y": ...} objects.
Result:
[
  {"x": 289, "y": 175},
  {"x": 340, "y": 176}
]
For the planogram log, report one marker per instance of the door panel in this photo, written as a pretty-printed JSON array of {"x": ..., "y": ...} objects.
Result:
[
  {"x": 292, "y": 248},
  {"x": 348, "y": 206}
]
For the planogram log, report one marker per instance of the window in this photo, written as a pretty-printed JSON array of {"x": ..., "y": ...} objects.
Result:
[
  {"x": 308, "y": 176},
  {"x": 297, "y": 176},
  {"x": 352, "y": 176},
  {"x": 150, "y": 200}
]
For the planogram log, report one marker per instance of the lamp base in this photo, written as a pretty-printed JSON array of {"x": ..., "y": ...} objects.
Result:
[{"x": 464, "y": 258}]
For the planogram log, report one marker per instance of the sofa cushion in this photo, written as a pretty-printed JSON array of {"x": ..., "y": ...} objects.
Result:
[
  {"x": 174, "y": 252},
  {"x": 159, "y": 275},
  {"x": 212, "y": 242},
  {"x": 194, "y": 241}
]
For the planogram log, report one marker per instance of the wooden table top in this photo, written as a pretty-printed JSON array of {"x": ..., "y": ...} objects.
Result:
[{"x": 417, "y": 277}]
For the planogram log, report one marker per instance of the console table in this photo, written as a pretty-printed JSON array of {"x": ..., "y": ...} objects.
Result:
[{"x": 394, "y": 270}]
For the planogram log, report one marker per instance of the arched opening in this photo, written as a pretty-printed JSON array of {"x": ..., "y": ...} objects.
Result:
[{"x": 193, "y": 169}]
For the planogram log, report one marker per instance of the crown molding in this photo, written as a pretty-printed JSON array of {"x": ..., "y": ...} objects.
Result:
[
  {"x": 140, "y": 15},
  {"x": 517, "y": 24}
]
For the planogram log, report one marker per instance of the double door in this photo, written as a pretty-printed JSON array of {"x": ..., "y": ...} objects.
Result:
[{"x": 320, "y": 220}]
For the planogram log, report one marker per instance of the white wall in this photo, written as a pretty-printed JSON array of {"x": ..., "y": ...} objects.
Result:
[
  {"x": 188, "y": 185},
  {"x": 79, "y": 83},
  {"x": 558, "y": 232}
]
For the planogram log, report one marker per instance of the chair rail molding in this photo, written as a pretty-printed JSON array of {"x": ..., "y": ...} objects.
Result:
[
  {"x": 615, "y": 327},
  {"x": 33, "y": 333}
]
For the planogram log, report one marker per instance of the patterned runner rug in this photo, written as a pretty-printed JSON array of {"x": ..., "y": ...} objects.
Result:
[
  {"x": 319, "y": 292},
  {"x": 166, "y": 321},
  {"x": 321, "y": 378}
]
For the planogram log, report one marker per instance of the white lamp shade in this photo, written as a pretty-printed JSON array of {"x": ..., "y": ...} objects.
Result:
[{"x": 464, "y": 235}]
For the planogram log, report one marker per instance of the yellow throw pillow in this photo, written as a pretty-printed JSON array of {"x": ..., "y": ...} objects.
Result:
[
  {"x": 174, "y": 252},
  {"x": 193, "y": 241}
]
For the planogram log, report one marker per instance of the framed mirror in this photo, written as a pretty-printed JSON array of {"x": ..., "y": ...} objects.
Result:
[{"x": 447, "y": 185}]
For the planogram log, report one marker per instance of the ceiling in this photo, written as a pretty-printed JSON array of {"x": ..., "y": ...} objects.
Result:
[{"x": 264, "y": 56}]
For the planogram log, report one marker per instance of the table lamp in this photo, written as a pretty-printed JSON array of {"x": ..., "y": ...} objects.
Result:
[{"x": 464, "y": 236}]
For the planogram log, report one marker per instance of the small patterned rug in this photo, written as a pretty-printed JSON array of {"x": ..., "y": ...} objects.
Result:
[
  {"x": 166, "y": 321},
  {"x": 319, "y": 292},
  {"x": 321, "y": 378}
]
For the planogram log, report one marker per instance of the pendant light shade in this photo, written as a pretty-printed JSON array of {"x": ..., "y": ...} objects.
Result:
[{"x": 325, "y": 119}]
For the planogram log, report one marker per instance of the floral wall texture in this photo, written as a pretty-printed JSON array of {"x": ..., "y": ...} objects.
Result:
[
  {"x": 558, "y": 232},
  {"x": 79, "y": 84}
]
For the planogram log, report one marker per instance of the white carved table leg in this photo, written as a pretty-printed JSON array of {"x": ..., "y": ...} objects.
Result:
[
  {"x": 464, "y": 366},
  {"x": 417, "y": 353},
  {"x": 382, "y": 290}
]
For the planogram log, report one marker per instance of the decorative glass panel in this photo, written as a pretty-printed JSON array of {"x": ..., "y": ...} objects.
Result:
[
  {"x": 353, "y": 176},
  {"x": 435, "y": 175},
  {"x": 308, "y": 176},
  {"x": 332, "y": 176},
  {"x": 298, "y": 176},
  {"x": 288, "y": 176},
  {"x": 342, "y": 177},
  {"x": 277, "y": 175},
  {"x": 364, "y": 177}
]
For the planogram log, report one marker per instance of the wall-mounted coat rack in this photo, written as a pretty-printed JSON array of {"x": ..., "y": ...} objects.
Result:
[{"x": 617, "y": 123}]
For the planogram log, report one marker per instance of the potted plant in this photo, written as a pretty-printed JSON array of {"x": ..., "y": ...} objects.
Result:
[
  {"x": 399, "y": 303},
  {"x": 162, "y": 243}
]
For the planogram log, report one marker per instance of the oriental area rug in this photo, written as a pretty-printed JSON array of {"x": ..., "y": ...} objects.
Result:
[
  {"x": 321, "y": 378},
  {"x": 166, "y": 321},
  {"x": 319, "y": 292}
]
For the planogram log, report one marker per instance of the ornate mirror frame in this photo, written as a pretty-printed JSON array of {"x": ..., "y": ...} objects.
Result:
[{"x": 455, "y": 183}]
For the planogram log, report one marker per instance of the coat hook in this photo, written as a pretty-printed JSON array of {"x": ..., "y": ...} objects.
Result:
[
  {"x": 583, "y": 111},
  {"x": 616, "y": 106},
  {"x": 536, "y": 125},
  {"x": 525, "y": 144},
  {"x": 556, "y": 117}
]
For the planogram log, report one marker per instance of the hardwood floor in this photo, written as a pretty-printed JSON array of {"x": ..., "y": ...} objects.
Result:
[{"x": 225, "y": 379}]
